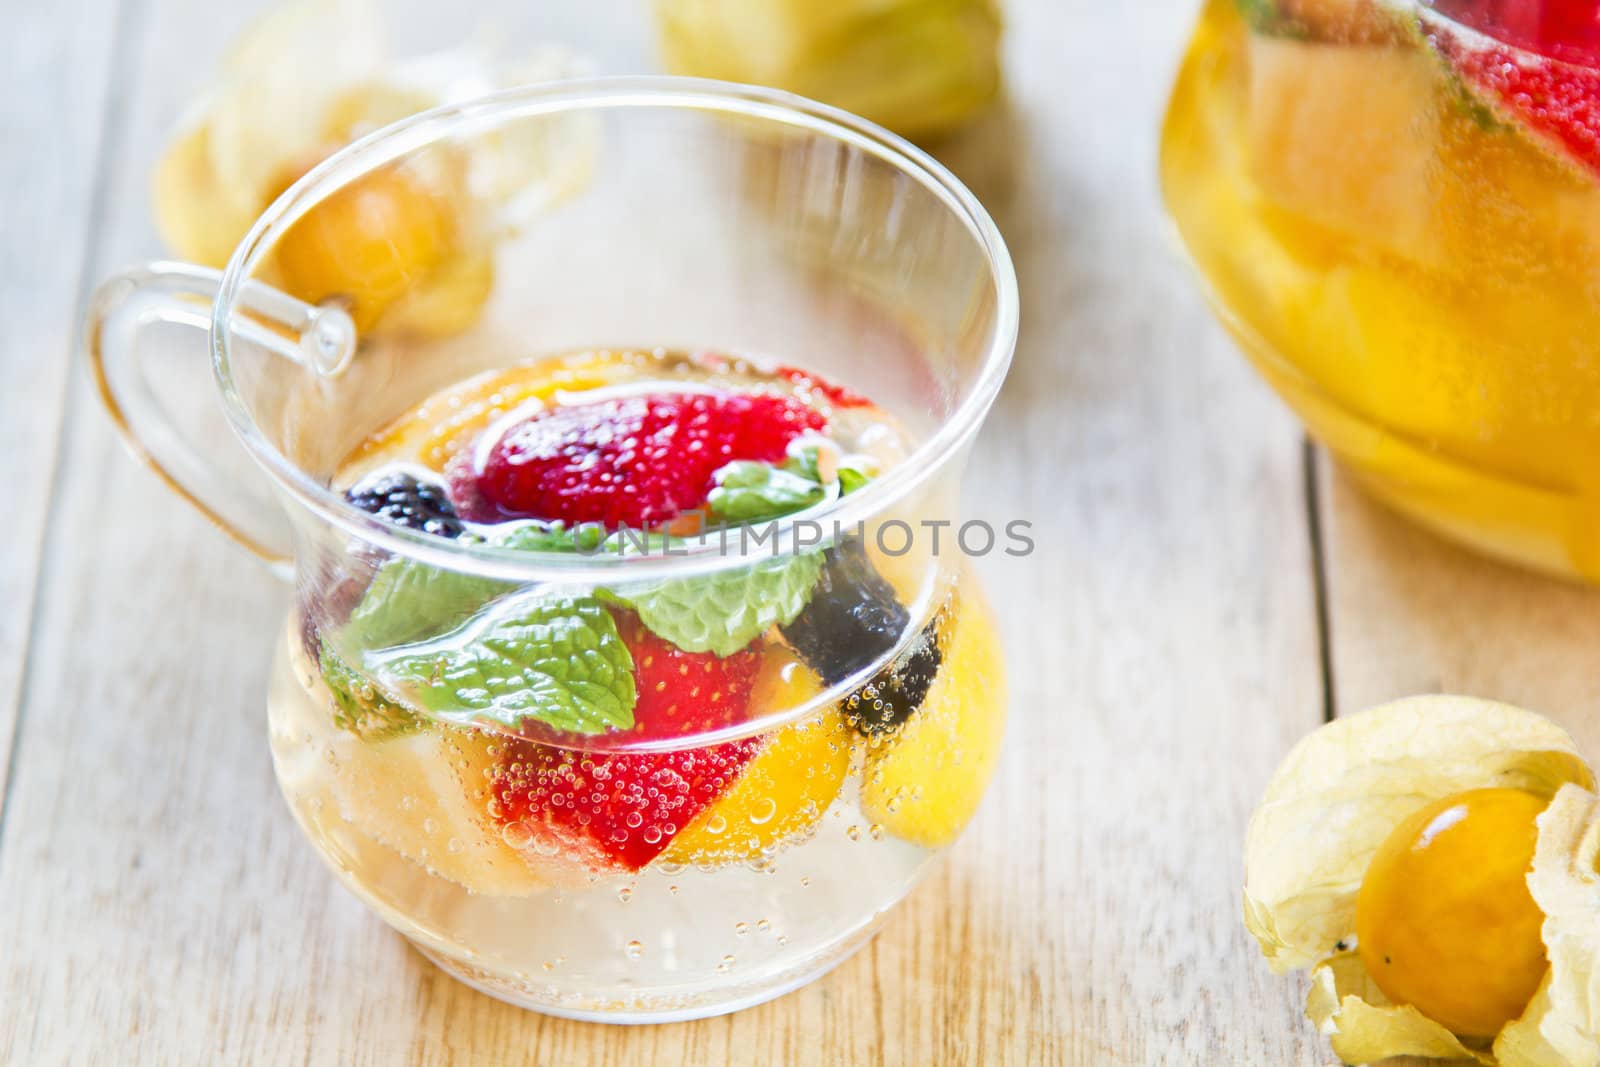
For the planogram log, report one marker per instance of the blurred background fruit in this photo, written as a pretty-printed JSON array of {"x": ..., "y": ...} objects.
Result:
[
  {"x": 919, "y": 67},
  {"x": 413, "y": 247}
]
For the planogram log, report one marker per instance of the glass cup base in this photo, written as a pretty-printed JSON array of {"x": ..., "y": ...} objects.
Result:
[{"x": 643, "y": 1008}]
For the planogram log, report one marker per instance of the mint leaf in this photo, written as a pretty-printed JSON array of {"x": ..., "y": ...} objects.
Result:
[
  {"x": 724, "y": 612},
  {"x": 358, "y": 707},
  {"x": 805, "y": 462},
  {"x": 748, "y": 491},
  {"x": 559, "y": 660},
  {"x": 536, "y": 536},
  {"x": 1263, "y": 16},
  {"x": 851, "y": 479},
  {"x": 410, "y": 600}
]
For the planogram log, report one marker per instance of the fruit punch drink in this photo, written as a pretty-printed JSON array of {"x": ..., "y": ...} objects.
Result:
[
  {"x": 1397, "y": 211},
  {"x": 630, "y": 683},
  {"x": 606, "y": 800}
]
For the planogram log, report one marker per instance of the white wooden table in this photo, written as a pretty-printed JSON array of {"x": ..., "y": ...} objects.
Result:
[{"x": 1205, "y": 592}]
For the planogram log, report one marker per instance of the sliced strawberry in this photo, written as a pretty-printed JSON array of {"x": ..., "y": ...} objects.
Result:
[
  {"x": 636, "y": 461},
  {"x": 621, "y": 810},
  {"x": 1557, "y": 101},
  {"x": 682, "y": 692},
  {"x": 1568, "y": 30}
]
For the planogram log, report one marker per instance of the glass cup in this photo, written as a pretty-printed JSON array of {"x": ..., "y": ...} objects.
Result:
[
  {"x": 707, "y": 216},
  {"x": 1408, "y": 253}
]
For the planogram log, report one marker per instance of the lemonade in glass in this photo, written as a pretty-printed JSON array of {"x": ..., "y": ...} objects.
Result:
[{"x": 622, "y": 674}]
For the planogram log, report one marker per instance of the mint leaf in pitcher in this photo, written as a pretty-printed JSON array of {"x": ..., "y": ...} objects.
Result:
[
  {"x": 748, "y": 491},
  {"x": 358, "y": 706},
  {"x": 724, "y": 612},
  {"x": 556, "y": 660},
  {"x": 410, "y": 600}
]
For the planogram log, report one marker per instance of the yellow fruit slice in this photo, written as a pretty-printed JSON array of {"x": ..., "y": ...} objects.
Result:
[
  {"x": 434, "y": 431},
  {"x": 786, "y": 788},
  {"x": 1314, "y": 108},
  {"x": 924, "y": 782},
  {"x": 426, "y": 796}
]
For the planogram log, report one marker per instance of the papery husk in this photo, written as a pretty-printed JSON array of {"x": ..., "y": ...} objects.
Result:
[
  {"x": 1562, "y": 1021},
  {"x": 265, "y": 111},
  {"x": 920, "y": 67},
  {"x": 1364, "y": 1026},
  {"x": 1561, "y": 1027},
  {"x": 311, "y": 75},
  {"x": 1344, "y": 788}
]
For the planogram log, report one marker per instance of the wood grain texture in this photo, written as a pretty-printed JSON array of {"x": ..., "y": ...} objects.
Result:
[
  {"x": 157, "y": 904},
  {"x": 1412, "y": 613},
  {"x": 55, "y": 63}
]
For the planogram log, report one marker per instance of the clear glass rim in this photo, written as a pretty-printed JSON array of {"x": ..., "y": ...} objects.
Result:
[{"x": 606, "y": 94}]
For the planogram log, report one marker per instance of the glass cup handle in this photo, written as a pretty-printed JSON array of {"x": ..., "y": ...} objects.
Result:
[{"x": 319, "y": 338}]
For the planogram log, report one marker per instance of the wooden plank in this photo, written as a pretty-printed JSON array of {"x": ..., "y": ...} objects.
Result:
[
  {"x": 54, "y": 69},
  {"x": 1412, "y": 613},
  {"x": 157, "y": 904}
]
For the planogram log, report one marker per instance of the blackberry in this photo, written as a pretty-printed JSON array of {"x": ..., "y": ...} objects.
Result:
[
  {"x": 852, "y": 621},
  {"x": 406, "y": 500},
  {"x": 899, "y": 688}
]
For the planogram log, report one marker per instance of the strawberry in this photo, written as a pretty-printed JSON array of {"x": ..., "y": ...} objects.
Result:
[
  {"x": 685, "y": 692},
  {"x": 1567, "y": 30},
  {"x": 1557, "y": 101},
  {"x": 619, "y": 810},
  {"x": 636, "y": 461}
]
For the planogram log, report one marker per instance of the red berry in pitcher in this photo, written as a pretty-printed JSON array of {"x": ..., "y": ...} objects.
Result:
[
  {"x": 1555, "y": 103},
  {"x": 621, "y": 810},
  {"x": 635, "y": 461}
]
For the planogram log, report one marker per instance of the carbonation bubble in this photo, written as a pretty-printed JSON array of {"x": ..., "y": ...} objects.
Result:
[{"x": 763, "y": 810}]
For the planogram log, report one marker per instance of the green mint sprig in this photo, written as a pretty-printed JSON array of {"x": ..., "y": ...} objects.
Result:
[
  {"x": 410, "y": 600},
  {"x": 358, "y": 706},
  {"x": 559, "y": 660},
  {"x": 748, "y": 491},
  {"x": 724, "y": 611}
]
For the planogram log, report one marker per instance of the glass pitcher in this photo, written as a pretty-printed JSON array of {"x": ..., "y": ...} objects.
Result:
[
  {"x": 457, "y": 721},
  {"x": 1405, "y": 240}
]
